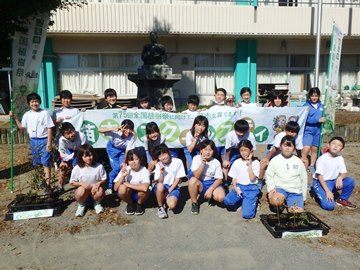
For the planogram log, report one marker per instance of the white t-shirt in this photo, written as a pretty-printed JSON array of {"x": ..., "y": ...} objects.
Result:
[
  {"x": 140, "y": 177},
  {"x": 90, "y": 175},
  {"x": 172, "y": 171},
  {"x": 37, "y": 123},
  {"x": 65, "y": 113},
  {"x": 248, "y": 104},
  {"x": 212, "y": 170},
  {"x": 287, "y": 173},
  {"x": 240, "y": 171},
  {"x": 330, "y": 167},
  {"x": 232, "y": 140},
  {"x": 189, "y": 138},
  {"x": 65, "y": 145},
  {"x": 278, "y": 138},
  {"x": 120, "y": 142}
]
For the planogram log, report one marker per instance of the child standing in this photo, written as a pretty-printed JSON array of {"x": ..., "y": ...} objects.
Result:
[
  {"x": 122, "y": 140},
  {"x": 277, "y": 100},
  {"x": 330, "y": 176},
  {"x": 153, "y": 138},
  {"x": 143, "y": 103},
  {"x": 66, "y": 112},
  {"x": 192, "y": 104},
  {"x": 38, "y": 124},
  {"x": 167, "y": 104},
  {"x": 69, "y": 143},
  {"x": 207, "y": 177},
  {"x": 132, "y": 184},
  {"x": 241, "y": 132},
  {"x": 244, "y": 173},
  {"x": 245, "y": 94},
  {"x": 286, "y": 178},
  {"x": 198, "y": 133},
  {"x": 311, "y": 139},
  {"x": 88, "y": 176},
  {"x": 168, "y": 174},
  {"x": 111, "y": 98}
]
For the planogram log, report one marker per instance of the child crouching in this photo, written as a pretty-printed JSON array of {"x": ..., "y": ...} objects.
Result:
[{"x": 88, "y": 176}]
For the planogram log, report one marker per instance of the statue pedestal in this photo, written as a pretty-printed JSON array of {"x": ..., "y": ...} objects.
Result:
[{"x": 154, "y": 81}]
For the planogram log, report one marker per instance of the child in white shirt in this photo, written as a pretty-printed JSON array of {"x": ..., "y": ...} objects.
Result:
[
  {"x": 207, "y": 176},
  {"x": 66, "y": 112},
  {"x": 88, "y": 176},
  {"x": 38, "y": 124},
  {"x": 132, "y": 184},
  {"x": 168, "y": 174},
  {"x": 68, "y": 145},
  {"x": 286, "y": 178},
  {"x": 330, "y": 176},
  {"x": 244, "y": 173},
  {"x": 121, "y": 141}
]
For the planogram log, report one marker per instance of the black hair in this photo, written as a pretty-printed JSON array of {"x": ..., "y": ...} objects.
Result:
[
  {"x": 160, "y": 149},
  {"x": 287, "y": 139},
  {"x": 292, "y": 126},
  {"x": 150, "y": 128},
  {"x": 66, "y": 126},
  {"x": 166, "y": 99},
  {"x": 85, "y": 150},
  {"x": 277, "y": 95},
  {"x": 314, "y": 90},
  {"x": 337, "y": 138},
  {"x": 33, "y": 96},
  {"x": 245, "y": 143},
  {"x": 244, "y": 90},
  {"x": 110, "y": 93},
  {"x": 128, "y": 123},
  {"x": 65, "y": 94},
  {"x": 241, "y": 126},
  {"x": 130, "y": 155},
  {"x": 142, "y": 99},
  {"x": 221, "y": 90},
  {"x": 207, "y": 142},
  {"x": 199, "y": 120},
  {"x": 194, "y": 99}
]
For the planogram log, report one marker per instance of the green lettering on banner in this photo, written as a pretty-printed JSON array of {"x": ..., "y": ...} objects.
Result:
[
  {"x": 170, "y": 130},
  {"x": 261, "y": 133},
  {"x": 212, "y": 133},
  {"x": 108, "y": 123},
  {"x": 91, "y": 131},
  {"x": 223, "y": 129}
]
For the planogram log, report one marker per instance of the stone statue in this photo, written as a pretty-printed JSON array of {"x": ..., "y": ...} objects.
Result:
[{"x": 154, "y": 53}]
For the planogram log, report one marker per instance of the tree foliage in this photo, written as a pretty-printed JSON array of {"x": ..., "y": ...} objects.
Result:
[{"x": 15, "y": 14}]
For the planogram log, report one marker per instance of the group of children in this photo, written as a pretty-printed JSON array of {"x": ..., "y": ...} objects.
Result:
[{"x": 135, "y": 175}]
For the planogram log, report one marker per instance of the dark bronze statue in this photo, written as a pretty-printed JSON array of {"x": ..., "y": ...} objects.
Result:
[{"x": 154, "y": 53}]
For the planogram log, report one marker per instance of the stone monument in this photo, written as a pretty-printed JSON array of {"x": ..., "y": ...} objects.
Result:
[{"x": 155, "y": 78}]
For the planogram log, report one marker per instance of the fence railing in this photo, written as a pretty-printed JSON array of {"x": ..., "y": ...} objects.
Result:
[{"x": 350, "y": 132}]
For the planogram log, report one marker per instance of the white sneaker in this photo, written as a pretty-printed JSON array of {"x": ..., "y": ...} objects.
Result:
[
  {"x": 98, "y": 208},
  {"x": 161, "y": 212},
  {"x": 80, "y": 211},
  {"x": 108, "y": 191}
]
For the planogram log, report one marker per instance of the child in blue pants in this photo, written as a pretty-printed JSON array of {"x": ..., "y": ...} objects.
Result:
[
  {"x": 330, "y": 176},
  {"x": 244, "y": 173},
  {"x": 122, "y": 140}
]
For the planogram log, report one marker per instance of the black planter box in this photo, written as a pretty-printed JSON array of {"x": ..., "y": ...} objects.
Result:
[
  {"x": 304, "y": 225},
  {"x": 34, "y": 206}
]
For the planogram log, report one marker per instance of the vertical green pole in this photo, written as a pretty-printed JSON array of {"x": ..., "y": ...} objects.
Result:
[{"x": 11, "y": 138}]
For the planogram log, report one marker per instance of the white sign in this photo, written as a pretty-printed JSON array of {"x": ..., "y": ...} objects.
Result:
[
  {"x": 33, "y": 214},
  {"x": 307, "y": 234}
]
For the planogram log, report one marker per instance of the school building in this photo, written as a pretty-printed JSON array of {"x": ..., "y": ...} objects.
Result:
[{"x": 227, "y": 43}]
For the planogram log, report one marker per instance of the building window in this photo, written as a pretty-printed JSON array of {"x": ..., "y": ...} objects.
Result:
[
  {"x": 93, "y": 73},
  {"x": 213, "y": 70}
]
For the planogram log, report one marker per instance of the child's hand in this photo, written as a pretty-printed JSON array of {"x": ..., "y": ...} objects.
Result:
[
  {"x": 63, "y": 165},
  {"x": 59, "y": 119},
  {"x": 238, "y": 191},
  {"x": 329, "y": 196},
  {"x": 208, "y": 193},
  {"x": 339, "y": 183},
  {"x": 248, "y": 161},
  {"x": 322, "y": 120},
  {"x": 263, "y": 163},
  {"x": 124, "y": 108},
  {"x": 162, "y": 168},
  {"x": 226, "y": 164},
  {"x": 48, "y": 148},
  {"x": 83, "y": 110},
  {"x": 87, "y": 186}
]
